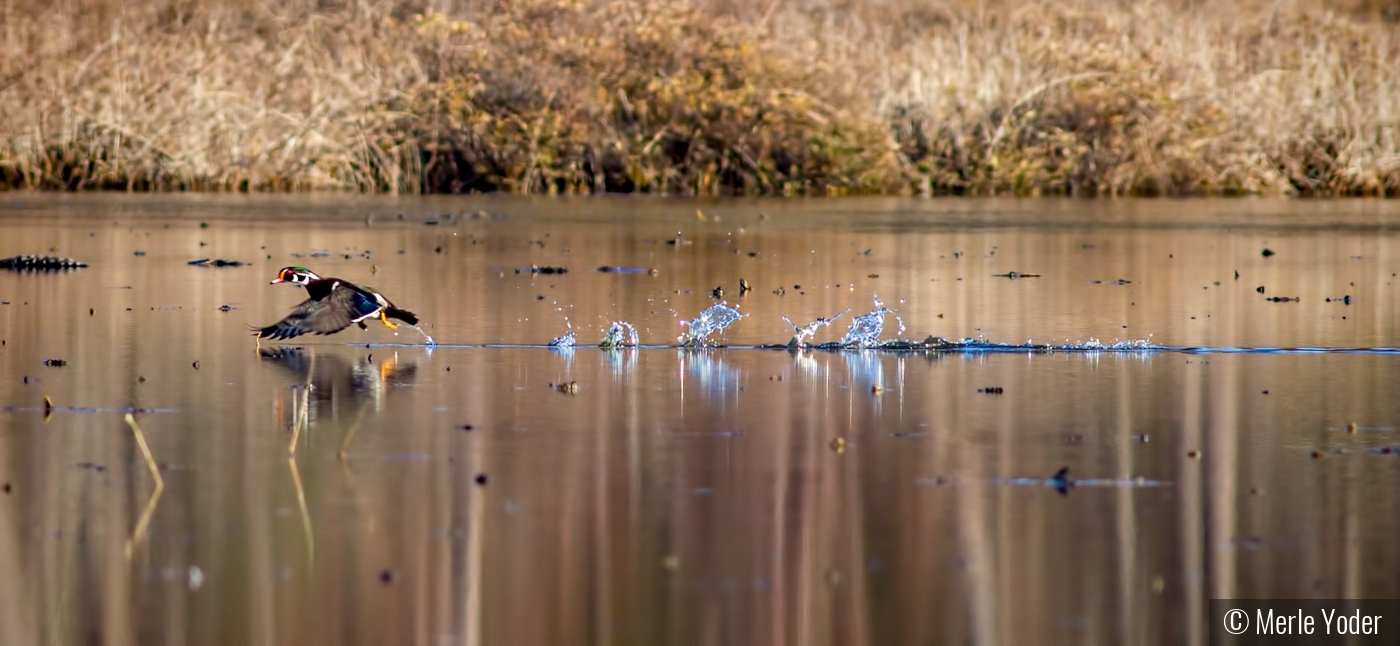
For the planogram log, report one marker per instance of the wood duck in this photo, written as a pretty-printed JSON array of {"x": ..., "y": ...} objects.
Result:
[{"x": 334, "y": 304}]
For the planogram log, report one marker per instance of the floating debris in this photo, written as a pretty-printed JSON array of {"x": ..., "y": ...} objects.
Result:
[
  {"x": 55, "y": 363},
  {"x": 866, "y": 329},
  {"x": 1013, "y": 275},
  {"x": 1284, "y": 299},
  {"x": 620, "y": 335},
  {"x": 1267, "y": 252},
  {"x": 536, "y": 269},
  {"x": 217, "y": 262},
  {"x": 801, "y": 334},
  {"x": 1345, "y": 300},
  {"x": 40, "y": 263},
  {"x": 744, "y": 287},
  {"x": 609, "y": 269},
  {"x": 566, "y": 341},
  {"x": 1120, "y": 281},
  {"x": 714, "y": 319},
  {"x": 991, "y": 390},
  {"x": 570, "y": 388},
  {"x": 717, "y": 293}
]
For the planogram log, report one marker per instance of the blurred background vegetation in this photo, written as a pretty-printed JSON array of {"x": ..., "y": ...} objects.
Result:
[{"x": 1077, "y": 97}]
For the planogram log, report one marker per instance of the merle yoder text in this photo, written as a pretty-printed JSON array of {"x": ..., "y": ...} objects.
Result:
[{"x": 1304, "y": 621}]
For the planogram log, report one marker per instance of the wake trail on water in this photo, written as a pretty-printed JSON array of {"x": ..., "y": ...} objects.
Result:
[{"x": 864, "y": 335}]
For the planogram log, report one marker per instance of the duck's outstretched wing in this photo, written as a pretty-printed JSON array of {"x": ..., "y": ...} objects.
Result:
[{"x": 326, "y": 316}]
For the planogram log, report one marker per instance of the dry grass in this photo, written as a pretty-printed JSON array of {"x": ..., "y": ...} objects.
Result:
[{"x": 1086, "y": 97}]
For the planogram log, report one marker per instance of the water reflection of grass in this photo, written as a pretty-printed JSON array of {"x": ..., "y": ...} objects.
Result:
[{"x": 999, "y": 96}]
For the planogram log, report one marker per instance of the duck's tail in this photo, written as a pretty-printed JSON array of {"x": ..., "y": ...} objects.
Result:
[{"x": 402, "y": 315}]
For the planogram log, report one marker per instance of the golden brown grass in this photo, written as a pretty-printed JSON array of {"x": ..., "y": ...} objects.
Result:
[{"x": 1084, "y": 97}]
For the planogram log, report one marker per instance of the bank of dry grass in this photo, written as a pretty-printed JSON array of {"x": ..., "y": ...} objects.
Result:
[{"x": 755, "y": 96}]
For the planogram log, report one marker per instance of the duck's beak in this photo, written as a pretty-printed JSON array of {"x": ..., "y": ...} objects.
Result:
[{"x": 277, "y": 280}]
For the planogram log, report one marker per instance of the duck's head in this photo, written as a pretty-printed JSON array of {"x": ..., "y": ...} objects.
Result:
[{"x": 297, "y": 275}]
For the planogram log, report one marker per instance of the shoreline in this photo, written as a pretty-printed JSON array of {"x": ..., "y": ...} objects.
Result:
[{"x": 1006, "y": 98}]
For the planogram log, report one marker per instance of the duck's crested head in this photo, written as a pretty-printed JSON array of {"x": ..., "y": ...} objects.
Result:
[{"x": 296, "y": 275}]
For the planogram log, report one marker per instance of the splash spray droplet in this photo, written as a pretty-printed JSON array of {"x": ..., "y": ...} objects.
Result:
[
  {"x": 714, "y": 319},
  {"x": 802, "y": 334},
  {"x": 566, "y": 341},
  {"x": 866, "y": 329},
  {"x": 620, "y": 335}
]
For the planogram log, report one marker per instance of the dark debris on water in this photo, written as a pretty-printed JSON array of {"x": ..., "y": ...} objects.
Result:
[
  {"x": 217, "y": 262},
  {"x": 611, "y": 269},
  {"x": 40, "y": 263}
]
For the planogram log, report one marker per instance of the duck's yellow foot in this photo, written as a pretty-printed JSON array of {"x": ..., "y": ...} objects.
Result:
[{"x": 383, "y": 317}]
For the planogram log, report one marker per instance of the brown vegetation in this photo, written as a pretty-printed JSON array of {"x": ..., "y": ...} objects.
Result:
[{"x": 1087, "y": 97}]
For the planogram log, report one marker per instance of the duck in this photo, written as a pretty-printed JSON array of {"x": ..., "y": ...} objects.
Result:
[{"x": 334, "y": 305}]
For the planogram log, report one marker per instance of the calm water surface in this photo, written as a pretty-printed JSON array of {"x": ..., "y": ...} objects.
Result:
[{"x": 723, "y": 496}]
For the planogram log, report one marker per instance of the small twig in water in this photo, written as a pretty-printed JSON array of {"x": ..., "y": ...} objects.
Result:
[
  {"x": 345, "y": 445},
  {"x": 139, "y": 533},
  {"x": 301, "y": 504}
]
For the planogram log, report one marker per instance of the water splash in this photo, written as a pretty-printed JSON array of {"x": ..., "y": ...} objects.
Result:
[
  {"x": 801, "y": 334},
  {"x": 566, "y": 341},
  {"x": 714, "y": 319},
  {"x": 866, "y": 329},
  {"x": 428, "y": 340},
  {"x": 620, "y": 335},
  {"x": 971, "y": 345},
  {"x": 1095, "y": 344}
]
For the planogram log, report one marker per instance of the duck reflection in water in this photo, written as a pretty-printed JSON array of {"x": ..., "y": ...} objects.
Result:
[{"x": 335, "y": 379}]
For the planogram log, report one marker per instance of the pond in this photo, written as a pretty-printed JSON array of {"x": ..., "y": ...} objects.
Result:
[{"x": 1221, "y": 438}]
